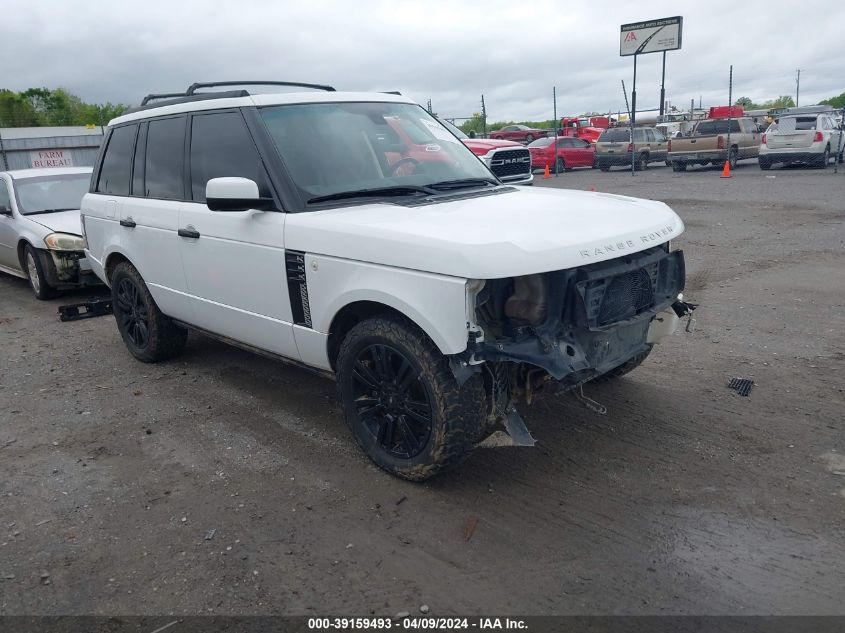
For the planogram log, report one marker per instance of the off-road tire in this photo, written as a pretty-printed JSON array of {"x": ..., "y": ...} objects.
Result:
[
  {"x": 458, "y": 411},
  {"x": 165, "y": 339},
  {"x": 33, "y": 265},
  {"x": 625, "y": 367}
]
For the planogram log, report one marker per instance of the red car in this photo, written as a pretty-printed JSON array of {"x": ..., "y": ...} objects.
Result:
[
  {"x": 518, "y": 133},
  {"x": 571, "y": 153}
]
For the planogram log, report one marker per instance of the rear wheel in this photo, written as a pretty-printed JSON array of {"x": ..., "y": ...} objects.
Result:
[
  {"x": 529, "y": 138},
  {"x": 824, "y": 161},
  {"x": 561, "y": 165},
  {"x": 149, "y": 335},
  {"x": 402, "y": 402},
  {"x": 35, "y": 271},
  {"x": 679, "y": 166},
  {"x": 641, "y": 162},
  {"x": 733, "y": 156},
  {"x": 764, "y": 163},
  {"x": 604, "y": 167}
]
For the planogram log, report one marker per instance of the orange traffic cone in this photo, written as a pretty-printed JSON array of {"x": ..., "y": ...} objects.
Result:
[
  {"x": 726, "y": 171},
  {"x": 546, "y": 173}
]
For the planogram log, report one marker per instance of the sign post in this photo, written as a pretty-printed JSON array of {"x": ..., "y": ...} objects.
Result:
[{"x": 651, "y": 36}]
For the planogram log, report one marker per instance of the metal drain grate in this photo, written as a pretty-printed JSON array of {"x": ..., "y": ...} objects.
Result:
[{"x": 741, "y": 385}]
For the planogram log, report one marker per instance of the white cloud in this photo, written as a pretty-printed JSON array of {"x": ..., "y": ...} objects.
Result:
[{"x": 450, "y": 52}]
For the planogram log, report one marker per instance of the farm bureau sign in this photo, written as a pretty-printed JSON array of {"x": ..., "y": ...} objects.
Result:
[{"x": 50, "y": 158}]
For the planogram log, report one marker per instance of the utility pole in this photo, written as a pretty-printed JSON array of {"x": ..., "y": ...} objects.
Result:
[
  {"x": 663, "y": 86},
  {"x": 797, "y": 85},
  {"x": 483, "y": 118},
  {"x": 554, "y": 107}
]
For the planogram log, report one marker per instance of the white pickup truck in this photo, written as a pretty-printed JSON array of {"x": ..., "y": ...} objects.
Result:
[{"x": 297, "y": 225}]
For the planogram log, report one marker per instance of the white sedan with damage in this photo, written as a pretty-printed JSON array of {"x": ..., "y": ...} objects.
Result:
[{"x": 40, "y": 231}]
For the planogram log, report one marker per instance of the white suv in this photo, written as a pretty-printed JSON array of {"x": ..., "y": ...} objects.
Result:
[
  {"x": 295, "y": 224},
  {"x": 810, "y": 138}
]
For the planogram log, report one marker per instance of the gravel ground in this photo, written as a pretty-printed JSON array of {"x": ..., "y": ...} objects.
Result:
[{"x": 227, "y": 483}]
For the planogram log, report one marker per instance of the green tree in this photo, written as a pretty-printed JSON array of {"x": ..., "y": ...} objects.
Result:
[
  {"x": 835, "y": 102},
  {"x": 15, "y": 111},
  {"x": 746, "y": 103},
  {"x": 58, "y": 107}
]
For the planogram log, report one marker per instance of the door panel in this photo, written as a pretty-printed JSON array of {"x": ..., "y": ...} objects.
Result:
[{"x": 236, "y": 276}]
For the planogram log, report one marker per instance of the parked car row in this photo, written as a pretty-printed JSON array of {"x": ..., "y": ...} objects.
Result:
[{"x": 388, "y": 257}]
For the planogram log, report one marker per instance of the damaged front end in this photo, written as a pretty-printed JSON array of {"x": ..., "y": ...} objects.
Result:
[{"x": 564, "y": 328}]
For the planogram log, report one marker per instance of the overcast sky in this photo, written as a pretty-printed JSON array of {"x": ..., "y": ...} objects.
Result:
[{"x": 449, "y": 52}]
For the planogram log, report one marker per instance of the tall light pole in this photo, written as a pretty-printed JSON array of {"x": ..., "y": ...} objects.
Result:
[{"x": 797, "y": 85}]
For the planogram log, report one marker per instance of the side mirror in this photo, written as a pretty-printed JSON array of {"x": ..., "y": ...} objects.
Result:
[{"x": 235, "y": 194}]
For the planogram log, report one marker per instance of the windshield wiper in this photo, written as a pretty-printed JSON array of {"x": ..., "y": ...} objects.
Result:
[
  {"x": 403, "y": 190},
  {"x": 463, "y": 183},
  {"x": 49, "y": 211}
]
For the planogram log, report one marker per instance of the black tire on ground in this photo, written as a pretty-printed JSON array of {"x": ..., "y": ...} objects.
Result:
[
  {"x": 668, "y": 163},
  {"x": 625, "y": 367},
  {"x": 529, "y": 138},
  {"x": 679, "y": 166},
  {"x": 402, "y": 401},
  {"x": 733, "y": 157},
  {"x": 604, "y": 167},
  {"x": 824, "y": 161},
  {"x": 34, "y": 266},
  {"x": 765, "y": 163},
  {"x": 561, "y": 165},
  {"x": 842, "y": 156},
  {"x": 149, "y": 335},
  {"x": 642, "y": 162}
]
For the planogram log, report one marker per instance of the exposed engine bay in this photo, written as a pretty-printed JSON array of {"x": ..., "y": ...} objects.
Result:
[{"x": 566, "y": 327}]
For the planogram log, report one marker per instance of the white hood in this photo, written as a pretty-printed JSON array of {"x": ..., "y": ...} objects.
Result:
[
  {"x": 529, "y": 230},
  {"x": 59, "y": 222}
]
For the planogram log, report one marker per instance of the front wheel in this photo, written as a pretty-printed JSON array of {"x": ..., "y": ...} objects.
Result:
[
  {"x": 733, "y": 156},
  {"x": 149, "y": 335},
  {"x": 402, "y": 402},
  {"x": 35, "y": 269},
  {"x": 641, "y": 163},
  {"x": 824, "y": 161},
  {"x": 561, "y": 165}
]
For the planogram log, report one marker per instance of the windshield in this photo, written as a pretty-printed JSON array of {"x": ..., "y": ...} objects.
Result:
[
  {"x": 40, "y": 194},
  {"x": 454, "y": 130},
  {"x": 619, "y": 135},
  {"x": 333, "y": 148}
]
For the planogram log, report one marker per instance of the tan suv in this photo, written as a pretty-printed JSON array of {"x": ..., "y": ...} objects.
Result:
[{"x": 614, "y": 148}]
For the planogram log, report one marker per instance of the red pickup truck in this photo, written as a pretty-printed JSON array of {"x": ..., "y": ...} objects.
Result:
[{"x": 581, "y": 127}]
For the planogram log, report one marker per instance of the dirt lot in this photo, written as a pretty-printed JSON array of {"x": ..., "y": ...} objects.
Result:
[{"x": 684, "y": 498}]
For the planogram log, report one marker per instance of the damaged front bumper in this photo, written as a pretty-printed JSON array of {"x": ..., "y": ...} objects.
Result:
[
  {"x": 598, "y": 317},
  {"x": 67, "y": 269}
]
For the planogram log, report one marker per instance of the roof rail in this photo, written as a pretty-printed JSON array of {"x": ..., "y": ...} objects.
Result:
[
  {"x": 211, "y": 84},
  {"x": 181, "y": 98},
  {"x": 161, "y": 95}
]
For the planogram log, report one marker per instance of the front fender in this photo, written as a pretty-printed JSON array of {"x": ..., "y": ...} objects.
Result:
[{"x": 436, "y": 303}]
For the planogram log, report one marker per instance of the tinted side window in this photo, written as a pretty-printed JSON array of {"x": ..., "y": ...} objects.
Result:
[
  {"x": 222, "y": 146},
  {"x": 649, "y": 134},
  {"x": 117, "y": 162},
  {"x": 163, "y": 176}
]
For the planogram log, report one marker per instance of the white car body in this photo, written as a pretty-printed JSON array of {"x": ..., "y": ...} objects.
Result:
[
  {"x": 64, "y": 267},
  {"x": 803, "y": 138},
  {"x": 291, "y": 282}
]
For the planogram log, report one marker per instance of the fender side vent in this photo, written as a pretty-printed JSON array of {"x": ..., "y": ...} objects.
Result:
[{"x": 298, "y": 287}]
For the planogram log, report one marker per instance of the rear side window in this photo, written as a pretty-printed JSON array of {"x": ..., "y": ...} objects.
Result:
[
  {"x": 717, "y": 127},
  {"x": 221, "y": 146},
  {"x": 117, "y": 162},
  {"x": 163, "y": 177},
  {"x": 639, "y": 136}
]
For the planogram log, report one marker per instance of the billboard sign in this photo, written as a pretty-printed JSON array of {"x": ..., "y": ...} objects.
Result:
[
  {"x": 51, "y": 158},
  {"x": 651, "y": 36}
]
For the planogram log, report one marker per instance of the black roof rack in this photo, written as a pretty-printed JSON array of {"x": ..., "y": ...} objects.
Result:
[
  {"x": 212, "y": 84},
  {"x": 191, "y": 93},
  {"x": 162, "y": 95}
]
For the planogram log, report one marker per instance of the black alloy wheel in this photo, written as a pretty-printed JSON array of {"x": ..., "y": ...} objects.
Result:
[
  {"x": 132, "y": 313},
  {"x": 391, "y": 401}
]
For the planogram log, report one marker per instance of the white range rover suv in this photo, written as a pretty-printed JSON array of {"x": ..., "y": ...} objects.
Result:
[{"x": 295, "y": 224}]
